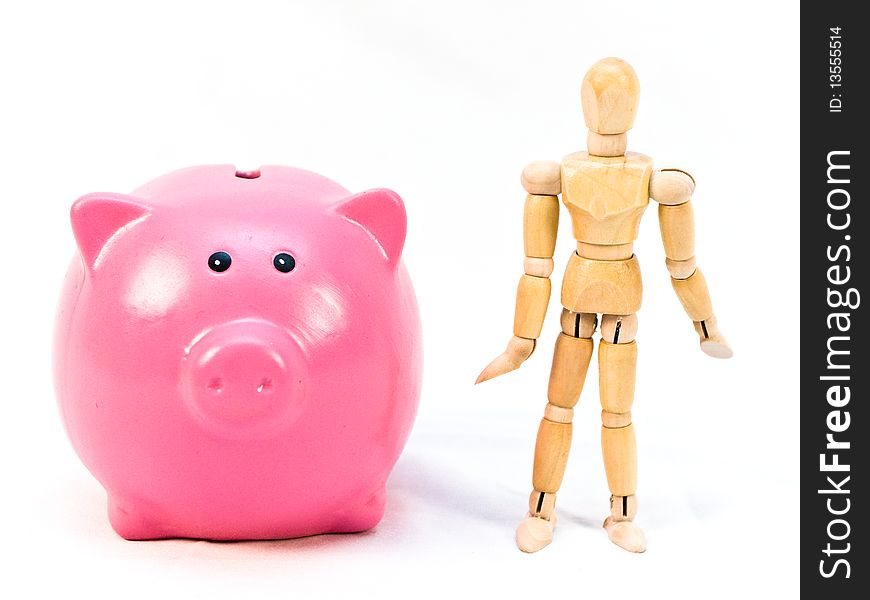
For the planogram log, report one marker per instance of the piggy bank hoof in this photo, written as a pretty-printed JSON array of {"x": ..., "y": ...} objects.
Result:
[
  {"x": 131, "y": 522},
  {"x": 361, "y": 518},
  {"x": 535, "y": 533},
  {"x": 625, "y": 534}
]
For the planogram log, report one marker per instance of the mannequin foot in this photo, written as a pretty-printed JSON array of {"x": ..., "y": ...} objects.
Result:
[
  {"x": 535, "y": 533},
  {"x": 625, "y": 534}
]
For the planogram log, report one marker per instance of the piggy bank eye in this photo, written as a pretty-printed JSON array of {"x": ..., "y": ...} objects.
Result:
[
  {"x": 220, "y": 261},
  {"x": 284, "y": 262}
]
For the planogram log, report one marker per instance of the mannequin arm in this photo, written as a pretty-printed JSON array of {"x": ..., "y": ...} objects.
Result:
[
  {"x": 542, "y": 181},
  {"x": 672, "y": 189}
]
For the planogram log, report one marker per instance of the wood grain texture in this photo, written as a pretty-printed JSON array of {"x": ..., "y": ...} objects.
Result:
[
  {"x": 542, "y": 504},
  {"x": 538, "y": 267},
  {"x": 535, "y": 533},
  {"x": 578, "y": 324},
  {"x": 540, "y": 225},
  {"x": 677, "y": 224},
  {"x": 599, "y": 286},
  {"x": 518, "y": 350},
  {"x": 558, "y": 414},
  {"x": 615, "y": 420},
  {"x": 571, "y": 359},
  {"x": 609, "y": 95},
  {"x": 713, "y": 343},
  {"x": 618, "y": 329},
  {"x": 606, "y": 197},
  {"x": 617, "y": 364},
  {"x": 551, "y": 455},
  {"x": 606, "y": 145},
  {"x": 694, "y": 296},
  {"x": 542, "y": 177},
  {"x": 680, "y": 269},
  {"x": 671, "y": 186},
  {"x": 623, "y": 508},
  {"x": 620, "y": 459},
  {"x": 533, "y": 295},
  {"x": 605, "y": 252}
]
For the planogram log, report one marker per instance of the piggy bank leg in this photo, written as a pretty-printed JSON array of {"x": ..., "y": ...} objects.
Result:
[
  {"x": 132, "y": 520},
  {"x": 570, "y": 362},
  {"x": 617, "y": 359},
  {"x": 363, "y": 516}
]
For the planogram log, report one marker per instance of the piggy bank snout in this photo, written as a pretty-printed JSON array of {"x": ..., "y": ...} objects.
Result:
[{"x": 244, "y": 377}]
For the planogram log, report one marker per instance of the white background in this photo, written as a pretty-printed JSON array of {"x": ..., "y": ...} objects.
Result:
[{"x": 444, "y": 102}]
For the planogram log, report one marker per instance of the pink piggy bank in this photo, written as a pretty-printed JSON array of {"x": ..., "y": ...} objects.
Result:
[{"x": 237, "y": 355}]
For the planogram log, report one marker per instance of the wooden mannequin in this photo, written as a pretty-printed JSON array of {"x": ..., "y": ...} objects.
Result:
[{"x": 606, "y": 191}]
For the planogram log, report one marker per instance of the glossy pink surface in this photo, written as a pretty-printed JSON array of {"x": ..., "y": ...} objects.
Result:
[{"x": 249, "y": 403}]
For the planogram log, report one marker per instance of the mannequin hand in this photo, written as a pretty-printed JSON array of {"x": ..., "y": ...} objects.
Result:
[
  {"x": 713, "y": 343},
  {"x": 518, "y": 350}
]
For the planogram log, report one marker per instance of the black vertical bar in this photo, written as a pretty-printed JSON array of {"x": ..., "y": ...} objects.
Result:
[{"x": 834, "y": 266}]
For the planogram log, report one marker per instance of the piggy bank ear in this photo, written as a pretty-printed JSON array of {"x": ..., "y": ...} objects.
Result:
[
  {"x": 381, "y": 213},
  {"x": 98, "y": 218}
]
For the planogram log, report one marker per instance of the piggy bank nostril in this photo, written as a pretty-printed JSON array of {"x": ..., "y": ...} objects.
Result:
[{"x": 215, "y": 385}]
